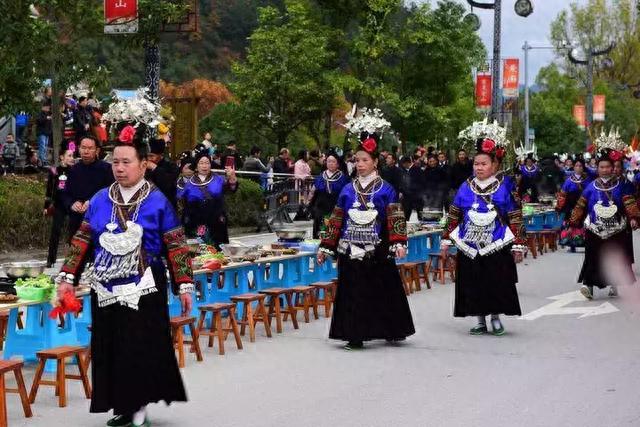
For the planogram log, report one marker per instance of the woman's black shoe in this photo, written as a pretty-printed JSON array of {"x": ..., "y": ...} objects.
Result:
[
  {"x": 354, "y": 345},
  {"x": 120, "y": 421}
]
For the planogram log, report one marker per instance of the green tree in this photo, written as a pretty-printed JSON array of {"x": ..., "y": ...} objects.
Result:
[
  {"x": 596, "y": 25},
  {"x": 284, "y": 81},
  {"x": 431, "y": 73}
]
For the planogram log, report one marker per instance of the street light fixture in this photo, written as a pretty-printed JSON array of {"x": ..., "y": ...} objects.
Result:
[
  {"x": 590, "y": 64},
  {"x": 523, "y": 8}
]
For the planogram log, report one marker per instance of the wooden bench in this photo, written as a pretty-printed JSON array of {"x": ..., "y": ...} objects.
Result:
[
  {"x": 250, "y": 316},
  {"x": 275, "y": 306},
  {"x": 16, "y": 367},
  {"x": 177, "y": 332},
  {"x": 216, "y": 328},
  {"x": 410, "y": 276},
  {"x": 60, "y": 354},
  {"x": 304, "y": 300},
  {"x": 328, "y": 290}
]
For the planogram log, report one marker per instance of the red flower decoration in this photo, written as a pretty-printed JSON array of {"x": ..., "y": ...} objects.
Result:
[
  {"x": 615, "y": 155},
  {"x": 500, "y": 152},
  {"x": 127, "y": 134},
  {"x": 369, "y": 145},
  {"x": 488, "y": 145}
]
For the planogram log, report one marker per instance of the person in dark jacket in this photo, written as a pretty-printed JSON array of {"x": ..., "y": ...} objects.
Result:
[
  {"x": 161, "y": 172},
  {"x": 82, "y": 119},
  {"x": 44, "y": 132},
  {"x": 254, "y": 164},
  {"x": 391, "y": 172},
  {"x": 445, "y": 185},
  {"x": 231, "y": 151},
  {"x": 461, "y": 170},
  {"x": 414, "y": 199},
  {"x": 281, "y": 163},
  {"x": 54, "y": 200},
  {"x": 85, "y": 179},
  {"x": 434, "y": 193}
]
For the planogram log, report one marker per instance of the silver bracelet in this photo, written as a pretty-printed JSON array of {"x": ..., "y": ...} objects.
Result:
[
  {"x": 327, "y": 251},
  {"x": 64, "y": 277},
  {"x": 186, "y": 288},
  {"x": 518, "y": 248}
]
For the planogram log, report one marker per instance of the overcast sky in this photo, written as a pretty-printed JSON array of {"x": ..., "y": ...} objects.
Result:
[{"x": 515, "y": 30}]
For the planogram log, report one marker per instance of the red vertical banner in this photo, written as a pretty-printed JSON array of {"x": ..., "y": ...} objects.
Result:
[
  {"x": 483, "y": 91},
  {"x": 120, "y": 16},
  {"x": 511, "y": 77},
  {"x": 599, "y": 107},
  {"x": 580, "y": 116}
]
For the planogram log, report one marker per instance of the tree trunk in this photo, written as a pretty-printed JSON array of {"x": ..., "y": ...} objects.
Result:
[
  {"x": 56, "y": 125},
  {"x": 282, "y": 140},
  {"x": 326, "y": 131}
]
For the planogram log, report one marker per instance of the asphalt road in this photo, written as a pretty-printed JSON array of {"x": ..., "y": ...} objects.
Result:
[{"x": 575, "y": 364}]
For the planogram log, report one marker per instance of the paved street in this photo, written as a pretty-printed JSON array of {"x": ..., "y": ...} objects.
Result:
[{"x": 556, "y": 370}]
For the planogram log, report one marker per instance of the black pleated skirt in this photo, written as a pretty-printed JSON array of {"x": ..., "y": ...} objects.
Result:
[
  {"x": 486, "y": 285},
  {"x": 595, "y": 265},
  {"x": 370, "y": 301},
  {"x": 133, "y": 359}
]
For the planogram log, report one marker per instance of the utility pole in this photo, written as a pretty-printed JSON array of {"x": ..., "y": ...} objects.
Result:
[
  {"x": 589, "y": 62},
  {"x": 523, "y": 8}
]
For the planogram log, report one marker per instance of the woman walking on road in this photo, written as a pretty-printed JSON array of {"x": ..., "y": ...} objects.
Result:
[
  {"x": 608, "y": 210},
  {"x": 366, "y": 231},
  {"x": 485, "y": 224}
]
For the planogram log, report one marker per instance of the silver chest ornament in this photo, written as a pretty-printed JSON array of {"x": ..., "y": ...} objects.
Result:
[{"x": 480, "y": 228}]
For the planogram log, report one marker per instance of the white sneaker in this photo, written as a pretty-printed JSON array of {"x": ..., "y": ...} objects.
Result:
[{"x": 586, "y": 292}]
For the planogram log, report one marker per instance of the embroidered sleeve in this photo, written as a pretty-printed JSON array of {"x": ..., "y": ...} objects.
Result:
[
  {"x": 516, "y": 224},
  {"x": 77, "y": 254},
  {"x": 562, "y": 200},
  {"x": 329, "y": 241},
  {"x": 579, "y": 212},
  {"x": 631, "y": 207},
  {"x": 396, "y": 224},
  {"x": 179, "y": 258},
  {"x": 453, "y": 219}
]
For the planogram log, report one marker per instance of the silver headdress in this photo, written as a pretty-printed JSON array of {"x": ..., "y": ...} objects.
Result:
[
  {"x": 485, "y": 130},
  {"x": 612, "y": 141}
]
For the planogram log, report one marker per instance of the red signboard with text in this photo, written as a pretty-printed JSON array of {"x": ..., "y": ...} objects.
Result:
[
  {"x": 511, "y": 77},
  {"x": 599, "y": 108},
  {"x": 483, "y": 91},
  {"x": 120, "y": 16},
  {"x": 580, "y": 116}
]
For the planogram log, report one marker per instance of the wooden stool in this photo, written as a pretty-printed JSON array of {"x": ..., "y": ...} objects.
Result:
[
  {"x": 177, "y": 332},
  {"x": 59, "y": 354},
  {"x": 424, "y": 269},
  {"x": 329, "y": 291},
  {"x": 4, "y": 323},
  {"x": 16, "y": 367},
  {"x": 275, "y": 306},
  {"x": 304, "y": 300},
  {"x": 251, "y": 317},
  {"x": 532, "y": 243},
  {"x": 410, "y": 277},
  {"x": 446, "y": 264},
  {"x": 216, "y": 329},
  {"x": 549, "y": 239}
]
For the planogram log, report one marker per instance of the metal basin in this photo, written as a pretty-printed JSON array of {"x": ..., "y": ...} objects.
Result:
[
  {"x": 238, "y": 251},
  {"x": 291, "y": 234},
  {"x": 17, "y": 270}
]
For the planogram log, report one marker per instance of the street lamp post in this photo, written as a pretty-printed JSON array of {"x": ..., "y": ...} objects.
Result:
[
  {"x": 527, "y": 47},
  {"x": 589, "y": 62},
  {"x": 523, "y": 8}
]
